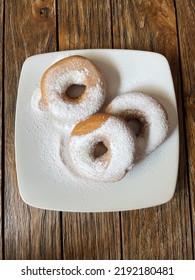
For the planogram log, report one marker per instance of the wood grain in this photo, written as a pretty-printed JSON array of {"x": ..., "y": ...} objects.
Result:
[
  {"x": 91, "y": 236},
  {"x": 30, "y": 28},
  {"x": 1, "y": 142},
  {"x": 162, "y": 232},
  {"x": 186, "y": 26},
  {"x": 86, "y": 24}
]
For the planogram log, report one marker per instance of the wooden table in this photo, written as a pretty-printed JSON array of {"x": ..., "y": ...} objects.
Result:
[{"x": 32, "y": 27}]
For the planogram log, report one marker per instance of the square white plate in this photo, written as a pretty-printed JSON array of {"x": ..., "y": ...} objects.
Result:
[{"x": 151, "y": 182}]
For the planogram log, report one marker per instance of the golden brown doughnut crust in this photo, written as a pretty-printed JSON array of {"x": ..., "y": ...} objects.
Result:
[{"x": 90, "y": 124}]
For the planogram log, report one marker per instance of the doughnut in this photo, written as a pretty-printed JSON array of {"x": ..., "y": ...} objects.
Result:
[
  {"x": 113, "y": 134},
  {"x": 146, "y": 116},
  {"x": 58, "y": 78}
]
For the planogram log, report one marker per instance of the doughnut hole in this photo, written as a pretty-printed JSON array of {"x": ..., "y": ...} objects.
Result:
[
  {"x": 136, "y": 125},
  {"x": 99, "y": 150},
  {"x": 74, "y": 92},
  {"x": 136, "y": 121}
]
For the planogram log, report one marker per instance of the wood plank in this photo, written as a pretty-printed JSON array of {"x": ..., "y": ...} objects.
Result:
[
  {"x": 30, "y": 233},
  {"x": 1, "y": 94},
  {"x": 186, "y": 27},
  {"x": 88, "y": 235},
  {"x": 91, "y": 236},
  {"x": 161, "y": 232}
]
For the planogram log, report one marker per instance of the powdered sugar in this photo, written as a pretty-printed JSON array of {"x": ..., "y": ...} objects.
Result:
[
  {"x": 71, "y": 112},
  {"x": 56, "y": 84},
  {"x": 48, "y": 133},
  {"x": 109, "y": 167},
  {"x": 155, "y": 118}
]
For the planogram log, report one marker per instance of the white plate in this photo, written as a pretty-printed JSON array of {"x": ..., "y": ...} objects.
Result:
[{"x": 151, "y": 182}]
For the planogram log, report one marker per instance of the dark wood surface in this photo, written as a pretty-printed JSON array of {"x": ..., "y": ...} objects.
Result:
[
  {"x": 1, "y": 97},
  {"x": 186, "y": 35},
  {"x": 31, "y": 27}
]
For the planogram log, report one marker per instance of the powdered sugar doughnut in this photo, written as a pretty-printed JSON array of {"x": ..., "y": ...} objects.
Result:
[
  {"x": 119, "y": 148},
  {"x": 151, "y": 116},
  {"x": 73, "y": 70}
]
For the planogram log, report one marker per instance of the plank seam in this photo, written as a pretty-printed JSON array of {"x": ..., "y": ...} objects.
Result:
[
  {"x": 121, "y": 236},
  {"x": 57, "y": 29},
  {"x": 3, "y": 138},
  {"x": 184, "y": 125},
  {"x": 119, "y": 213},
  {"x": 60, "y": 213},
  {"x": 111, "y": 25}
]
